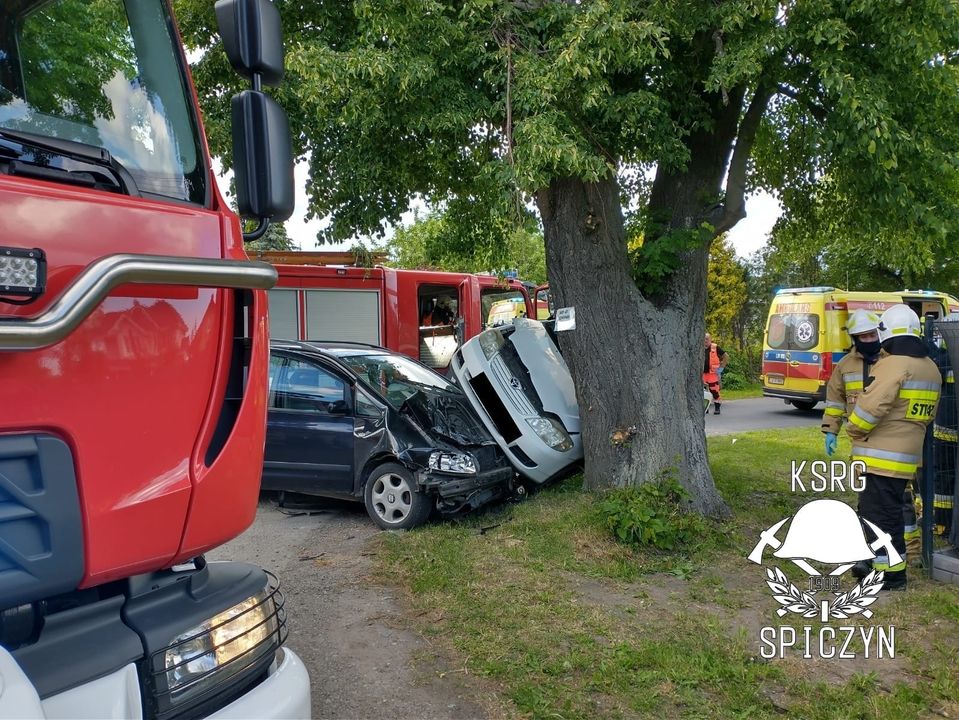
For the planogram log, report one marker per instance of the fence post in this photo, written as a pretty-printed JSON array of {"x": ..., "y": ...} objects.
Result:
[{"x": 927, "y": 483}]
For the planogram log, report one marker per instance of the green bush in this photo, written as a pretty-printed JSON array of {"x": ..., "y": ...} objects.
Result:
[
  {"x": 743, "y": 368},
  {"x": 651, "y": 514}
]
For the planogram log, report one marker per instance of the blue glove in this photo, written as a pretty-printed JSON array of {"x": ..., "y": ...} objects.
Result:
[
  {"x": 830, "y": 444},
  {"x": 719, "y": 371}
]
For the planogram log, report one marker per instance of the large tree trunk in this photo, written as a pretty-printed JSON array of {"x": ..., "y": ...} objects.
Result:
[{"x": 637, "y": 365}]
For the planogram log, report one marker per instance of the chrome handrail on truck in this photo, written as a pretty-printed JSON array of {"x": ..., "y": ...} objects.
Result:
[{"x": 92, "y": 286}]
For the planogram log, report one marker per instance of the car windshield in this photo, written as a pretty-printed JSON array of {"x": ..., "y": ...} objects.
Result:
[
  {"x": 395, "y": 377},
  {"x": 105, "y": 73}
]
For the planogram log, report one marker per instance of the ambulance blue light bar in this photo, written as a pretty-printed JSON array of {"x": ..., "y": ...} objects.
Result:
[{"x": 796, "y": 291}]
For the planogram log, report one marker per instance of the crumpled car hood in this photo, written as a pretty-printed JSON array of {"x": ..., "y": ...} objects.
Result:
[
  {"x": 547, "y": 370},
  {"x": 449, "y": 416}
]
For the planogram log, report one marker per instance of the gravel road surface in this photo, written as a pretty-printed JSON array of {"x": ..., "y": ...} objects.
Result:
[{"x": 350, "y": 631}]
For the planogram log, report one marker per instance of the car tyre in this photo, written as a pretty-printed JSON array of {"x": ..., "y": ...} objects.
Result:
[
  {"x": 392, "y": 500},
  {"x": 806, "y": 405}
]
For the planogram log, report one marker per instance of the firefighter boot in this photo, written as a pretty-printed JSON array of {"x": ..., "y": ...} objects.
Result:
[
  {"x": 861, "y": 569},
  {"x": 894, "y": 580},
  {"x": 716, "y": 408}
]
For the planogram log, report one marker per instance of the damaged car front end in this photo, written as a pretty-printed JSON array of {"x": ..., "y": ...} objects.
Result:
[
  {"x": 383, "y": 429},
  {"x": 519, "y": 384},
  {"x": 454, "y": 457}
]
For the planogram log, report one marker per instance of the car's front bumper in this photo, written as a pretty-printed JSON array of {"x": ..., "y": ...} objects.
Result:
[{"x": 455, "y": 486}]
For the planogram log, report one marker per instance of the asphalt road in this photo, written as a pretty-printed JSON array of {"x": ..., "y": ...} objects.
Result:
[{"x": 760, "y": 414}]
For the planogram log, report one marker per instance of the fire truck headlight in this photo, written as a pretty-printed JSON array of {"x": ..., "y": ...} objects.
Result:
[
  {"x": 216, "y": 650},
  {"x": 22, "y": 271}
]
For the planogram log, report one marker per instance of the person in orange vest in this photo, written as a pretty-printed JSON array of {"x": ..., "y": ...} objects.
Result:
[{"x": 714, "y": 362}]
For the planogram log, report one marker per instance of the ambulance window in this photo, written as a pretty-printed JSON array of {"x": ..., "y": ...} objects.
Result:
[
  {"x": 500, "y": 306},
  {"x": 776, "y": 334},
  {"x": 793, "y": 331}
]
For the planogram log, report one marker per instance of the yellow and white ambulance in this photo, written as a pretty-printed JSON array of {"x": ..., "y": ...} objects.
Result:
[{"x": 806, "y": 335}]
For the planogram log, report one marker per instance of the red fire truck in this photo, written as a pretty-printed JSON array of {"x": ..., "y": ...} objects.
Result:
[
  {"x": 133, "y": 365},
  {"x": 423, "y": 314}
]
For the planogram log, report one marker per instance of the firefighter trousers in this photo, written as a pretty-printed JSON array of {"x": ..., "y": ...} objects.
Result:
[{"x": 881, "y": 503}]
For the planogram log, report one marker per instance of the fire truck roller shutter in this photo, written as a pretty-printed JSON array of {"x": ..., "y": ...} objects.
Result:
[
  {"x": 346, "y": 315},
  {"x": 284, "y": 316}
]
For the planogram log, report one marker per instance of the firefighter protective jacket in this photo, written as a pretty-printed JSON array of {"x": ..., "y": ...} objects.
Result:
[
  {"x": 887, "y": 426},
  {"x": 844, "y": 386}
]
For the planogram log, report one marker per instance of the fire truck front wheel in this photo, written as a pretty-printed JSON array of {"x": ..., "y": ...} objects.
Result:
[{"x": 392, "y": 499}]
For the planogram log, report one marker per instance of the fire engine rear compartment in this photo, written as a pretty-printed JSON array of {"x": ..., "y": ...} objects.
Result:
[{"x": 424, "y": 315}]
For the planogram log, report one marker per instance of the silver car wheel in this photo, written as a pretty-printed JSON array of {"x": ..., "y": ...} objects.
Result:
[{"x": 392, "y": 498}]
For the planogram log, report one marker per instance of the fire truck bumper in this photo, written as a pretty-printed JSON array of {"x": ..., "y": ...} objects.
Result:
[{"x": 284, "y": 695}]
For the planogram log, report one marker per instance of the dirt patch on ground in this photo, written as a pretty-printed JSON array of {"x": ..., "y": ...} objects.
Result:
[
  {"x": 742, "y": 603},
  {"x": 355, "y": 636}
]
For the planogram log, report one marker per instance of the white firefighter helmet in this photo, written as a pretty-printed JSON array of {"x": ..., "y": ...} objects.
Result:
[
  {"x": 862, "y": 321},
  {"x": 827, "y": 531},
  {"x": 899, "y": 321}
]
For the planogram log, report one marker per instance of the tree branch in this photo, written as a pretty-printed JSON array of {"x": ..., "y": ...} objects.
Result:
[
  {"x": 818, "y": 111},
  {"x": 734, "y": 208}
]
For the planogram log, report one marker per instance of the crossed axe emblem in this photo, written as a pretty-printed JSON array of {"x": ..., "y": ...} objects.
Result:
[{"x": 768, "y": 538}]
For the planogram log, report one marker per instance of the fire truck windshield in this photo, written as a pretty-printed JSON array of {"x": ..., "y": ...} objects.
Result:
[{"x": 105, "y": 73}]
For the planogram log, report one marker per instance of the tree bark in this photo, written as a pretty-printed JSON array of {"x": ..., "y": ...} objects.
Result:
[{"x": 637, "y": 365}]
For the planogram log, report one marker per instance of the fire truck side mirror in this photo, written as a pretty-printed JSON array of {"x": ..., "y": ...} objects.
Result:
[
  {"x": 252, "y": 38},
  {"x": 262, "y": 158},
  {"x": 262, "y": 152}
]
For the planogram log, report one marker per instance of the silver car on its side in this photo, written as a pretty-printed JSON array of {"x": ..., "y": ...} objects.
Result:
[{"x": 520, "y": 386}]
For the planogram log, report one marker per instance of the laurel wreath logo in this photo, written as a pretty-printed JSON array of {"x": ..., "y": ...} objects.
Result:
[{"x": 854, "y": 602}]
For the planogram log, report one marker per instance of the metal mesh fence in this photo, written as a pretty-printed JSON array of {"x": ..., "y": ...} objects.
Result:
[{"x": 945, "y": 442}]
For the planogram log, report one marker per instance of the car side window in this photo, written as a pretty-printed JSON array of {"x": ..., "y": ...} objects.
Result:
[
  {"x": 305, "y": 387},
  {"x": 365, "y": 407},
  {"x": 276, "y": 366}
]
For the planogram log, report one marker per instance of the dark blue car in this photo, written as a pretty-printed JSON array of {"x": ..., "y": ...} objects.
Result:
[{"x": 360, "y": 422}]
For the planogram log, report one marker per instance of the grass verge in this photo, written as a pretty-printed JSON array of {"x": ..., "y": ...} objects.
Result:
[
  {"x": 752, "y": 391},
  {"x": 567, "y": 623}
]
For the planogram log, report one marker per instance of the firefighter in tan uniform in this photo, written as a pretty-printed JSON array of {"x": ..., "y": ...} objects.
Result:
[
  {"x": 847, "y": 377},
  {"x": 845, "y": 384},
  {"x": 887, "y": 427}
]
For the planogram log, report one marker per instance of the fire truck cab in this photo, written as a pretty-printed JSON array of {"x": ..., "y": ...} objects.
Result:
[{"x": 133, "y": 369}]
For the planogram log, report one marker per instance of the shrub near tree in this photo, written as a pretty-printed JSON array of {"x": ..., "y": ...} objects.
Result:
[{"x": 490, "y": 103}]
